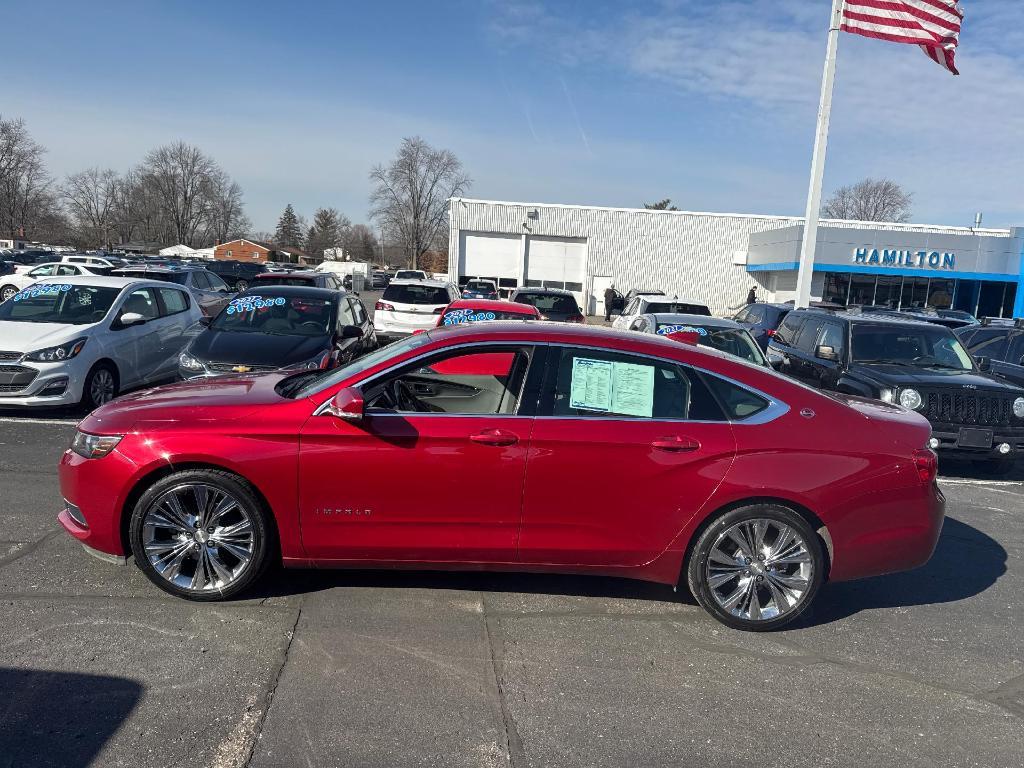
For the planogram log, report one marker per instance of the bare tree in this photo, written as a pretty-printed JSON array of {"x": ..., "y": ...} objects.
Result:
[
  {"x": 227, "y": 219},
  {"x": 183, "y": 179},
  {"x": 870, "y": 200},
  {"x": 362, "y": 243},
  {"x": 26, "y": 194},
  {"x": 91, "y": 197},
  {"x": 410, "y": 194}
]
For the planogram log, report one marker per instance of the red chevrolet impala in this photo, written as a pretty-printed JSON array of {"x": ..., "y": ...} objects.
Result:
[{"x": 606, "y": 452}]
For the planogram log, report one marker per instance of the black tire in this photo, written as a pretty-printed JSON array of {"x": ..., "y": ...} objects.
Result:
[
  {"x": 241, "y": 285},
  {"x": 715, "y": 535},
  {"x": 225, "y": 482},
  {"x": 6, "y": 292},
  {"x": 91, "y": 398}
]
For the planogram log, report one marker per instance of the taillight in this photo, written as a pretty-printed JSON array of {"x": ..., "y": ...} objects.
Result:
[
  {"x": 926, "y": 463},
  {"x": 439, "y": 310},
  {"x": 383, "y": 306},
  {"x": 770, "y": 332}
]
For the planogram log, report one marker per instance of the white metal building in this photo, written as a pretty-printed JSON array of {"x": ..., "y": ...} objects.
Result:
[{"x": 713, "y": 258}]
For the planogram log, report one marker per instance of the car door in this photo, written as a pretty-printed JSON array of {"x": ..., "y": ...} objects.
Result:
[
  {"x": 1011, "y": 363},
  {"x": 825, "y": 373},
  {"x": 175, "y": 321},
  {"x": 347, "y": 349},
  {"x": 404, "y": 483},
  {"x": 137, "y": 350},
  {"x": 804, "y": 365},
  {"x": 626, "y": 449},
  {"x": 781, "y": 347}
]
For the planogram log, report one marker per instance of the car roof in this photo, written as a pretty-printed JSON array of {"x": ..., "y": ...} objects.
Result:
[
  {"x": 498, "y": 306},
  {"x": 870, "y": 318},
  {"x": 101, "y": 281},
  {"x": 292, "y": 273},
  {"x": 297, "y": 291},
  {"x": 411, "y": 281},
  {"x": 673, "y": 318},
  {"x": 158, "y": 268},
  {"x": 663, "y": 299}
]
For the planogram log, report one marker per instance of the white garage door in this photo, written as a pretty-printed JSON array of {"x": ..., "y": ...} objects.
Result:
[
  {"x": 493, "y": 256},
  {"x": 557, "y": 262}
]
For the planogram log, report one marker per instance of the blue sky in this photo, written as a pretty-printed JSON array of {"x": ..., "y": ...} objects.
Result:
[{"x": 604, "y": 103}]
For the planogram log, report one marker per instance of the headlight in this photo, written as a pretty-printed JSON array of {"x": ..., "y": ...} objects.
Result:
[
  {"x": 887, "y": 395},
  {"x": 94, "y": 446},
  {"x": 910, "y": 398},
  {"x": 1018, "y": 407},
  {"x": 189, "y": 363},
  {"x": 316, "y": 363},
  {"x": 57, "y": 354}
]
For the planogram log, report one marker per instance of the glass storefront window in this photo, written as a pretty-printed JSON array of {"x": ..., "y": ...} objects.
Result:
[
  {"x": 915, "y": 292},
  {"x": 862, "y": 289},
  {"x": 940, "y": 294},
  {"x": 887, "y": 294},
  {"x": 837, "y": 286}
]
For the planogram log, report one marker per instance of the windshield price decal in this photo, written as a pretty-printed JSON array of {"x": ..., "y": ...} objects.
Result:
[
  {"x": 667, "y": 330},
  {"x": 458, "y": 316},
  {"x": 251, "y": 303},
  {"x": 47, "y": 289}
]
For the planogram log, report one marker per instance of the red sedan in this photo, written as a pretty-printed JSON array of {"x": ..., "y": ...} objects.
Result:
[
  {"x": 608, "y": 453},
  {"x": 465, "y": 311}
]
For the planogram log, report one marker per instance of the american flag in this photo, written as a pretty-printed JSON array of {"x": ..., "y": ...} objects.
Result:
[{"x": 932, "y": 24}]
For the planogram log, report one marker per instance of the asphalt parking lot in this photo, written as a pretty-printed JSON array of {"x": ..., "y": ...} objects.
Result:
[{"x": 382, "y": 669}]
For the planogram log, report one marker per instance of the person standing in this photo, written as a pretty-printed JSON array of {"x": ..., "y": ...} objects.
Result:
[
  {"x": 752, "y": 295},
  {"x": 609, "y": 299}
]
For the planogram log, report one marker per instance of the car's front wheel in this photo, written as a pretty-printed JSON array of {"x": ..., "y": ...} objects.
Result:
[
  {"x": 7, "y": 292},
  {"x": 200, "y": 534},
  {"x": 100, "y": 386},
  {"x": 757, "y": 567},
  {"x": 241, "y": 285}
]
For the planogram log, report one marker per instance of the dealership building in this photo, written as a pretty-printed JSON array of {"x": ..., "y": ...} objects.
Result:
[{"x": 715, "y": 258}]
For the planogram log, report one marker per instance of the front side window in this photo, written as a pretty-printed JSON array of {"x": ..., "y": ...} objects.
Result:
[
  {"x": 988, "y": 342},
  {"x": 832, "y": 336},
  {"x": 59, "y": 303},
  {"x": 345, "y": 316},
  {"x": 46, "y": 271},
  {"x": 473, "y": 381},
  {"x": 141, "y": 302},
  {"x": 607, "y": 384}
]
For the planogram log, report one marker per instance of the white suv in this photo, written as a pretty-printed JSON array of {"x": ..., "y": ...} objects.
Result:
[
  {"x": 651, "y": 304},
  {"x": 408, "y": 306}
]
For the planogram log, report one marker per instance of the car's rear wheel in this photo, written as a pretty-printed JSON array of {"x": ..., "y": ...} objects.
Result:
[
  {"x": 241, "y": 285},
  {"x": 757, "y": 567},
  {"x": 100, "y": 386},
  {"x": 200, "y": 534},
  {"x": 7, "y": 292}
]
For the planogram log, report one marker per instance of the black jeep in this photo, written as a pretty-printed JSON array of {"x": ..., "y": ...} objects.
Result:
[{"x": 919, "y": 365}]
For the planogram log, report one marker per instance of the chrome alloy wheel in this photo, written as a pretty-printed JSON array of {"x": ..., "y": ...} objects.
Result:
[
  {"x": 198, "y": 537},
  {"x": 102, "y": 387},
  {"x": 759, "y": 569}
]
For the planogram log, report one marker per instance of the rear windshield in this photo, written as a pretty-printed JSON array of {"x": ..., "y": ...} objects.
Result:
[
  {"x": 59, "y": 303},
  {"x": 409, "y": 274},
  {"x": 549, "y": 302},
  {"x": 677, "y": 308},
  {"x": 278, "y": 315},
  {"x": 734, "y": 341},
  {"x": 416, "y": 294},
  {"x": 285, "y": 280},
  {"x": 461, "y": 316},
  {"x": 479, "y": 285}
]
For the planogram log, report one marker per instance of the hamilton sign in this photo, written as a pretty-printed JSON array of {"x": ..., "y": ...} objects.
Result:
[{"x": 886, "y": 257}]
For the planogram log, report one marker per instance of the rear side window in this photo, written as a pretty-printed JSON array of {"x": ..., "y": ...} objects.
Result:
[
  {"x": 789, "y": 329},
  {"x": 809, "y": 334},
  {"x": 737, "y": 402},
  {"x": 607, "y": 384},
  {"x": 416, "y": 294},
  {"x": 989, "y": 343},
  {"x": 174, "y": 301}
]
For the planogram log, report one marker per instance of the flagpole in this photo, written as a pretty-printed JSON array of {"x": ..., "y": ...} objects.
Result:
[{"x": 803, "y": 278}]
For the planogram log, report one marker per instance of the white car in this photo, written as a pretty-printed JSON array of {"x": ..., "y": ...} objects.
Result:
[
  {"x": 653, "y": 304},
  {"x": 11, "y": 284},
  {"x": 100, "y": 264},
  {"x": 411, "y": 274},
  {"x": 85, "y": 339},
  {"x": 408, "y": 306}
]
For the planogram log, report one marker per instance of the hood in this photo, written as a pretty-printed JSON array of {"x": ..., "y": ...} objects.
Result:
[
  {"x": 263, "y": 349},
  {"x": 224, "y": 398},
  {"x": 28, "y": 337},
  {"x": 906, "y": 376}
]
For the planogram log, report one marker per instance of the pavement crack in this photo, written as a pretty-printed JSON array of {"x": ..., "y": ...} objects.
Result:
[
  {"x": 256, "y": 731},
  {"x": 1008, "y": 695},
  {"x": 513, "y": 742},
  {"x": 28, "y": 549}
]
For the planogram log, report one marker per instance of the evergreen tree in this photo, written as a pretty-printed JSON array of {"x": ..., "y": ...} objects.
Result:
[
  {"x": 289, "y": 231},
  {"x": 328, "y": 230}
]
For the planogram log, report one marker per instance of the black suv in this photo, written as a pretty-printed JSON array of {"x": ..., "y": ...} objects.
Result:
[
  {"x": 762, "y": 320},
  {"x": 237, "y": 274},
  {"x": 1001, "y": 343},
  {"x": 920, "y": 366}
]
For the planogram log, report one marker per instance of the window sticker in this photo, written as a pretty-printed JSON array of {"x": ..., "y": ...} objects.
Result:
[
  {"x": 252, "y": 303},
  {"x": 46, "y": 289},
  {"x": 612, "y": 387},
  {"x": 459, "y": 316},
  {"x": 668, "y": 330}
]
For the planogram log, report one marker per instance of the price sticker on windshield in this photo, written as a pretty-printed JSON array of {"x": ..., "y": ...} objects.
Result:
[
  {"x": 252, "y": 303},
  {"x": 459, "y": 316},
  {"x": 668, "y": 330},
  {"x": 45, "y": 289}
]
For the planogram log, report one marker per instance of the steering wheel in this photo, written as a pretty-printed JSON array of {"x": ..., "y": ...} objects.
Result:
[
  {"x": 312, "y": 324},
  {"x": 403, "y": 398}
]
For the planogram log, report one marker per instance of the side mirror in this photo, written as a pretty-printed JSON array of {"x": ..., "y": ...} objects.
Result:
[
  {"x": 984, "y": 364},
  {"x": 351, "y": 332},
  {"x": 128, "y": 319},
  {"x": 347, "y": 404},
  {"x": 825, "y": 352},
  {"x": 205, "y": 321}
]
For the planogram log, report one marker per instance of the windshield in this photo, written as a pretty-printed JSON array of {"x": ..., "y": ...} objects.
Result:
[
  {"x": 549, "y": 302},
  {"x": 59, "y": 303},
  {"x": 143, "y": 274},
  {"x": 277, "y": 315},
  {"x": 734, "y": 341},
  {"x": 462, "y": 316},
  {"x": 677, "y": 308},
  {"x": 416, "y": 294},
  {"x": 365, "y": 363},
  {"x": 925, "y": 347}
]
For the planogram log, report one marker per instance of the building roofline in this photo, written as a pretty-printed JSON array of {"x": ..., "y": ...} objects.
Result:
[{"x": 796, "y": 220}]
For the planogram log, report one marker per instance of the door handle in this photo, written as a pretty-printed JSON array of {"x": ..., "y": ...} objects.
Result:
[
  {"x": 495, "y": 437},
  {"x": 675, "y": 444}
]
